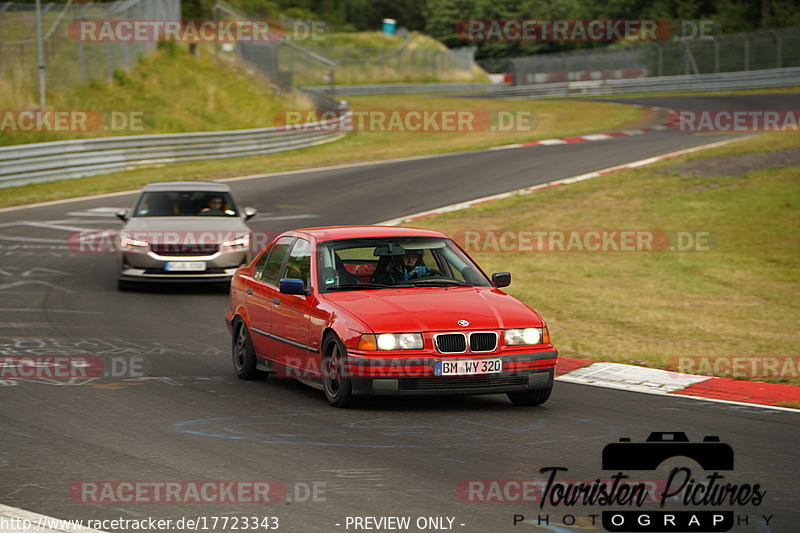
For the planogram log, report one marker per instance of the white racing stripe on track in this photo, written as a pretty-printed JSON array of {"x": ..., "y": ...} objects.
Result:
[{"x": 15, "y": 520}]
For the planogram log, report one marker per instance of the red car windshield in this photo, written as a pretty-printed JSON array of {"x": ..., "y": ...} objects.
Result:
[{"x": 356, "y": 264}]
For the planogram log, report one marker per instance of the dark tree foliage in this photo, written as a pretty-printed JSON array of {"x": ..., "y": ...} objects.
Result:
[{"x": 439, "y": 18}]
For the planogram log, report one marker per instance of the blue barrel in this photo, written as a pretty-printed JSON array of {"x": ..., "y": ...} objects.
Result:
[{"x": 389, "y": 25}]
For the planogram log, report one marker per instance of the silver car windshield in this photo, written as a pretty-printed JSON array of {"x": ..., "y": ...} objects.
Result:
[
  {"x": 404, "y": 262},
  {"x": 185, "y": 204}
]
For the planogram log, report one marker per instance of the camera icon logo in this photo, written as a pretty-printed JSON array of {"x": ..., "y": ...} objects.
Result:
[{"x": 710, "y": 454}]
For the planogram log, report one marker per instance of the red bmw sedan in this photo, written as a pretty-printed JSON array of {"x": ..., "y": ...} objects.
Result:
[{"x": 374, "y": 310}]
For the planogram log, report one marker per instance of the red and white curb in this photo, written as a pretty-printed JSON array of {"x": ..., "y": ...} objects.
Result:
[
  {"x": 564, "y": 181},
  {"x": 594, "y": 136},
  {"x": 656, "y": 381},
  {"x": 582, "y": 138}
]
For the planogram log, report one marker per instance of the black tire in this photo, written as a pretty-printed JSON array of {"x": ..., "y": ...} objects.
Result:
[
  {"x": 244, "y": 356},
  {"x": 530, "y": 397},
  {"x": 337, "y": 386}
]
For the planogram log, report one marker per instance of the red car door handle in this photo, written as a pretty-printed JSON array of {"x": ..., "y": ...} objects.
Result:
[
  {"x": 276, "y": 301},
  {"x": 249, "y": 291}
]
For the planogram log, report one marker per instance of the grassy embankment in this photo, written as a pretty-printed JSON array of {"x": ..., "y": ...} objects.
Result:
[{"x": 366, "y": 57}]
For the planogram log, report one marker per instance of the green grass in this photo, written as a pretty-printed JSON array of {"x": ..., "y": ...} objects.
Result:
[
  {"x": 366, "y": 57},
  {"x": 741, "y": 298},
  {"x": 373, "y": 40},
  {"x": 172, "y": 91},
  {"x": 553, "y": 119}
]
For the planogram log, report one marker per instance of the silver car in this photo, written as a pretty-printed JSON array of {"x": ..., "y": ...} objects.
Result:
[{"x": 183, "y": 231}]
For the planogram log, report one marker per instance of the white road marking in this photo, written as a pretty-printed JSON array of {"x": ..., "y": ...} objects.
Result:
[
  {"x": 16, "y": 284},
  {"x": 30, "y": 239},
  {"x": 79, "y": 214},
  {"x": 284, "y": 217},
  {"x": 53, "y": 225}
]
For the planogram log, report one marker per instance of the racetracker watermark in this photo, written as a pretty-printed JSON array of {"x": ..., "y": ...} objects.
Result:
[
  {"x": 599, "y": 240},
  {"x": 207, "y": 491},
  {"x": 194, "y": 31},
  {"x": 561, "y": 30},
  {"x": 69, "y": 367},
  {"x": 732, "y": 121},
  {"x": 389, "y": 367},
  {"x": 177, "y": 492},
  {"x": 70, "y": 120},
  {"x": 167, "y": 242},
  {"x": 540, "y": 490},
  {"x": 407, "y": 120},
  {"x": 738, "y": 367}
]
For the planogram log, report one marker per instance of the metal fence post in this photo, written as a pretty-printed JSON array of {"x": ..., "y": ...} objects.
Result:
[
  {"x": 689, "y": 59},
  {"x": 778, "y": 46},
  {"x": 716, "y": 53},
  {"x": 40, "y": 40},
  {"x": 746, "y": 51}
]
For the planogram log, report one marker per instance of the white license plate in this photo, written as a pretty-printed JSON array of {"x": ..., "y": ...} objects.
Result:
[
  {"x": 185, "y": 266},
  {"x": 468, "y": 367}
]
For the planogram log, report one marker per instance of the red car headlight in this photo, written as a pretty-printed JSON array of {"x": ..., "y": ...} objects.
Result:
[
  {"x": 390, "y": 341},
  {"x": 527, "y": 336}
]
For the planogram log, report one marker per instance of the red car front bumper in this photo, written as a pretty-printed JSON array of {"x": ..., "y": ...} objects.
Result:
[{"x": 415, "y": 375}]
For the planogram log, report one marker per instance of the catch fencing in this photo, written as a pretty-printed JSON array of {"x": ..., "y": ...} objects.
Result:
[
  {"x": 768, "y": 49},
  {"x": 724, "y": 81},
  {"x": 285, "y": 63},
  {"x": 68, "y": 59}
]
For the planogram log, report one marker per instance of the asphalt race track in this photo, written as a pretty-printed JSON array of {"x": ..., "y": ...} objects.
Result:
[{"x": 190, "y": 419}]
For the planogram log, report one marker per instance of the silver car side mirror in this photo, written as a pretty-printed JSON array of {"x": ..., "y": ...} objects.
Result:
[{"x": 249, "y": 212}]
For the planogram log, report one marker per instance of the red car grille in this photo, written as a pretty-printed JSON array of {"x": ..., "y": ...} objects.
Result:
[
  {"x": 184, "y": 249},
  {"x": 451, "y": 343},
  {"x": 482, "y": 341}
]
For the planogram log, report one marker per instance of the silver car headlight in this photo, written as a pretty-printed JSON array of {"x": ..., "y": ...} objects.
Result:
[
  {"x": 239, "y": 244},
  {"x": 523, "y": 336},
  {"x": 132, "y": 245}
]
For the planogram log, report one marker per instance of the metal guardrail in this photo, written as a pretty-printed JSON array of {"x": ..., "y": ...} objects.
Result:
[
  {"x": 725, "y": 81},
  {"x": 754, "y": 79},
  {"x": 48, "y": 161},
  {"x": 405, "y": 88}
]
